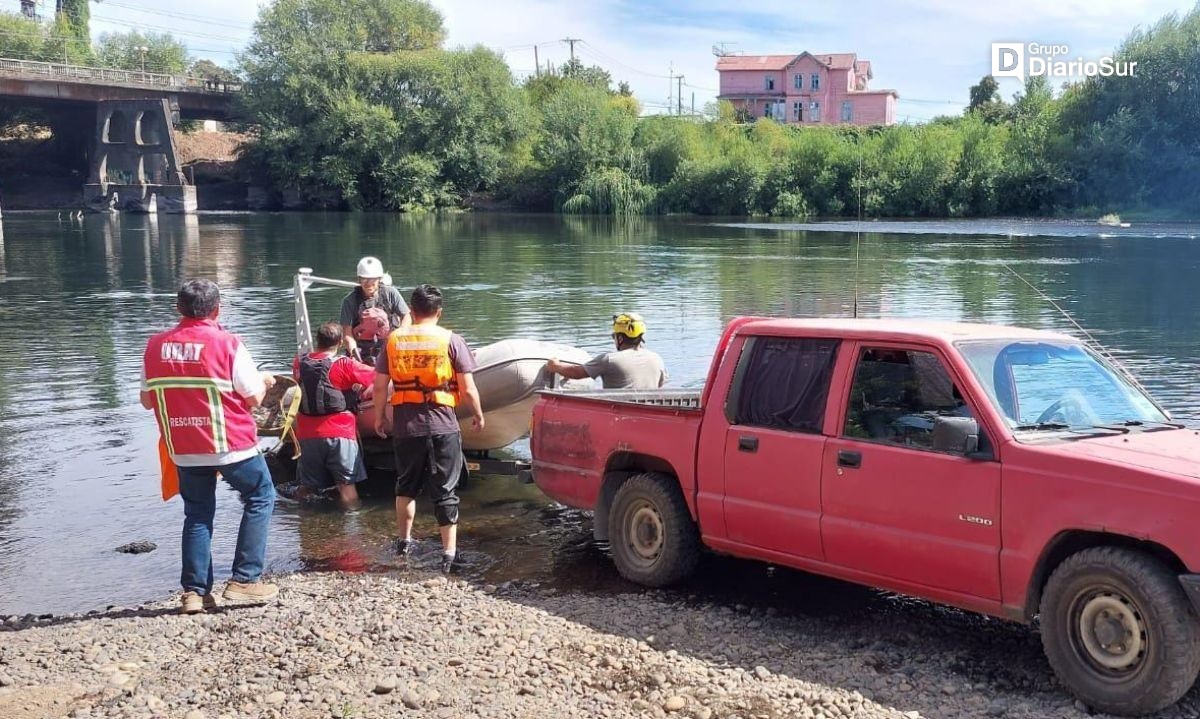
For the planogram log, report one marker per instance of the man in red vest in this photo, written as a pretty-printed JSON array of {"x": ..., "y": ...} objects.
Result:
[
  {"x": 326, "y": 426},
  {"x": 201, "y": 383}
]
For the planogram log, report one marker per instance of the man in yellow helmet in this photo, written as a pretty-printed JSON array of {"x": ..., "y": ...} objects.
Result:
[{"x": 632, "y": 366}]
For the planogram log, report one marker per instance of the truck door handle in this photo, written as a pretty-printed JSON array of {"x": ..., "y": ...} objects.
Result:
[
  {"x": 747, "y": 444},
  {"x": 846, "y": 458}
]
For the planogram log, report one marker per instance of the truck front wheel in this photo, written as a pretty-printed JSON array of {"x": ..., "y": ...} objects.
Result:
[
  {"x": 1119, "y": 631},
  {"x": 654, "y": 540}
]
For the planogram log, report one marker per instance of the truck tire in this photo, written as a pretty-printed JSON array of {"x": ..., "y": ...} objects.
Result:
[
  {"x": 1119, "y": 631},
  {"x": 654, "y": 540}
]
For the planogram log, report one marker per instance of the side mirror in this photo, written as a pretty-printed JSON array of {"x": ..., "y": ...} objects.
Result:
[{"x": 956, "y": 435}]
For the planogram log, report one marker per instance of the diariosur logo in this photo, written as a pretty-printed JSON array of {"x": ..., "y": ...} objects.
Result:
[{"x": 1025, "y": 60}]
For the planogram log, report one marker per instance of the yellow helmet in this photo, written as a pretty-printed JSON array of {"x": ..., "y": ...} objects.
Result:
[{"x": 629, "y": 324}]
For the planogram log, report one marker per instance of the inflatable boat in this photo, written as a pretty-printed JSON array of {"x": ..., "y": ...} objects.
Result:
[{"x": 508, "y": 376}]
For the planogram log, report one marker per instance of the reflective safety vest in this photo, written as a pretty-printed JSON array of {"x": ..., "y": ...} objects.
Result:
[
  {"x": 418, "y": 360},
  {"x": 189, "y": 370}
]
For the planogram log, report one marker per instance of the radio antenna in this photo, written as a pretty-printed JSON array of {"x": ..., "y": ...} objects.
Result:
[
  {"x": 858, "y": 236},
  {"x": 1088, "y": 336}
]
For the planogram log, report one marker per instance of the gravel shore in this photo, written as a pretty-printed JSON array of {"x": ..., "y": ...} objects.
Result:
[{"x": 337, "y": 645}]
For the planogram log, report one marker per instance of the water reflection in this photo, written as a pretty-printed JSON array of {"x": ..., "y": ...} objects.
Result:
[{"x": 79, "y": 298}]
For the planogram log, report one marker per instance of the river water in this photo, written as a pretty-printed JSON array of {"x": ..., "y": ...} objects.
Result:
[{"x": 78, "y": 299}]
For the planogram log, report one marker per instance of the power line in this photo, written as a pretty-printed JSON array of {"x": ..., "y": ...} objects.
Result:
[
  {"x": 203, "y": 19},
  {"x": 597, "y": 51},
  {"x": 162, "y": 28}
]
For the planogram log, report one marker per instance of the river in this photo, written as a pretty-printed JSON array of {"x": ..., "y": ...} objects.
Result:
[{"x": 79, "y": 298}]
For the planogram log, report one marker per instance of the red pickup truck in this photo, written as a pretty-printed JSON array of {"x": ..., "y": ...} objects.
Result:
[{"x": 1012, "y": 472}]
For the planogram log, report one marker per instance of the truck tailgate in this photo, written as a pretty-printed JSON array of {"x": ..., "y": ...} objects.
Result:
[{"x": 577, "y": 437}]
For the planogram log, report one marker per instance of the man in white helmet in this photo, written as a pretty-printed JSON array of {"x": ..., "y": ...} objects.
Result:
[{"x": 371, "y": 311}]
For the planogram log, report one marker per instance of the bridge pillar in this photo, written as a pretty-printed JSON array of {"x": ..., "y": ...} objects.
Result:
[{"x": 135, "y": 166}]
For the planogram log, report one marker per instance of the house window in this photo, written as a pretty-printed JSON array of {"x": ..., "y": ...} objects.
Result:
[
  {"x": 814, "y": 111},
  {"x": 798, "y": 81},
  {"x": 783, "y": 383},
  {"x": 798, "y": 111},
  {"x": 847, "y": 111},
  {"x": 816, "y": 82},
  {"x": 769, "y": 82}
]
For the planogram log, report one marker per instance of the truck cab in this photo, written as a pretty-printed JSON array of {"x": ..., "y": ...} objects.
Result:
[{"x": 1002, "y": 470}]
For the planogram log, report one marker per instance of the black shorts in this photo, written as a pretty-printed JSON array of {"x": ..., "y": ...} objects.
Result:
[{"x": 433, "y": 464}]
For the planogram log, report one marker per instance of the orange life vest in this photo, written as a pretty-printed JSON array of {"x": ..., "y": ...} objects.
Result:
[{"x": 418, "y": 360}]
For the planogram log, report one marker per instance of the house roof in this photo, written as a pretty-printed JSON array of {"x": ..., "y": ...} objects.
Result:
[
  {"x": 834, "y": 61},
  {"x": 754, "y": 62},
  {"x": 863, "y": 67}
]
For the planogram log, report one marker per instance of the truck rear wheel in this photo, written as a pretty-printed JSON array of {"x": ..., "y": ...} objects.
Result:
[
  {"x": 654, "y": 540},
  {"x": 1119, "y": 631}
]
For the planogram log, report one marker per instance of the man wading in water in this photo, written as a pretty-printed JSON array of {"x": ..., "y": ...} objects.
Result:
[
  {"x": 430, "y": 369},
  {"x": 202, "y": 383},
  {"x": 326, "y": 426}
]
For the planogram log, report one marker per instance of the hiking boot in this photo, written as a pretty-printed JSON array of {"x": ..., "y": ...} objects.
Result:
[
  {"x": 191, "y": 603},
  {"x": 447, "y": 563},
  {"x": 211, "y": 601},
  {"x": 403, "y": 547},
  {"x": 250, "y": 592}
]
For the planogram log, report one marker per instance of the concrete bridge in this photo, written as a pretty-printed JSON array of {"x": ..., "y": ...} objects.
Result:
[
  {"x": 55, "y": 85},
  {"x": 125, "y": 119}
]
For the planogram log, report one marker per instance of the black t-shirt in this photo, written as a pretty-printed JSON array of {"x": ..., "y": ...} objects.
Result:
[{"x": 386, "y": 298}]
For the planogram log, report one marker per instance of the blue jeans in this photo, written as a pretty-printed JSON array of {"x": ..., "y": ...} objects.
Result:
[{"x": 198, "y": 487}]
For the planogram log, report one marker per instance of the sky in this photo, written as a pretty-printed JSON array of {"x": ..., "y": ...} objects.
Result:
[{"x": 930, "y": 51}]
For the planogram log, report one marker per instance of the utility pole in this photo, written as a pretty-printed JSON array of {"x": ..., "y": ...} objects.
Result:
[
  {"x": 679, "y": 93},
  {"x": 571, "y": 41},
  {"x": 693, "y": 103},
  {"x": 670, "y": 87},
  {"x": 537, "y": 66}
]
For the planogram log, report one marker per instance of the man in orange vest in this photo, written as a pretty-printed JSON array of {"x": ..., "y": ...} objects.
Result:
[
  {"x": 430, "y": 369},
  {"x": 201, "y": 383}
]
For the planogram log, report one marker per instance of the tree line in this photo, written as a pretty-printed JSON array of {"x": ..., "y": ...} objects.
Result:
[{"x": 359, "y": 104}]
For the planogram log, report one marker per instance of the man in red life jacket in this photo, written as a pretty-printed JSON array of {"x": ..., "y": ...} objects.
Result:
[
  {"x": 326, "y": 426},
  {"x": 201, "y": 383}
]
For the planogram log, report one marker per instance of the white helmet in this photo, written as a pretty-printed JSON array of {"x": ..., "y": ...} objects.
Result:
[{"x": 370, "y": 268}]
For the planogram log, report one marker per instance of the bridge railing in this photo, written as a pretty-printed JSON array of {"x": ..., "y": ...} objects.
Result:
[{"x": 112, "y": 76}]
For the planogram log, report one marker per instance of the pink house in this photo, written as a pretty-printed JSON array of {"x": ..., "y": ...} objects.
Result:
[{"x": 808, "y": 88}]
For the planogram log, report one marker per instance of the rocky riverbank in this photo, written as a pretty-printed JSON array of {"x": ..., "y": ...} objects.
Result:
[{"x": 338, "y": 645}]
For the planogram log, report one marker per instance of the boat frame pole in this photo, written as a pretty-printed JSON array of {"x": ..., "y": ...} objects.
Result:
[{"x": 305, "y": 279}]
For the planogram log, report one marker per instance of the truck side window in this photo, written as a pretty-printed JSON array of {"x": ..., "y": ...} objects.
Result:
[
  {"x": 896, "y": 396},
  {"x": 785, "y": 383}
]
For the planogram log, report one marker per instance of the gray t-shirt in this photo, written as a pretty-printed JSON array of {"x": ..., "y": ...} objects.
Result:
[
  {"x": 420, "y": 420},
  {"x": 628, "y": 369},
  {"x": 386, "y": 297}
]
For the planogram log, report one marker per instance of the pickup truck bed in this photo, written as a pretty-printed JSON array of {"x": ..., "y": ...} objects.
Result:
[{"x": 611, "y": 430}]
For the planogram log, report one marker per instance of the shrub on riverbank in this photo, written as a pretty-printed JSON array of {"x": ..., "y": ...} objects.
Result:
[{"x": 356, "y": 103}]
